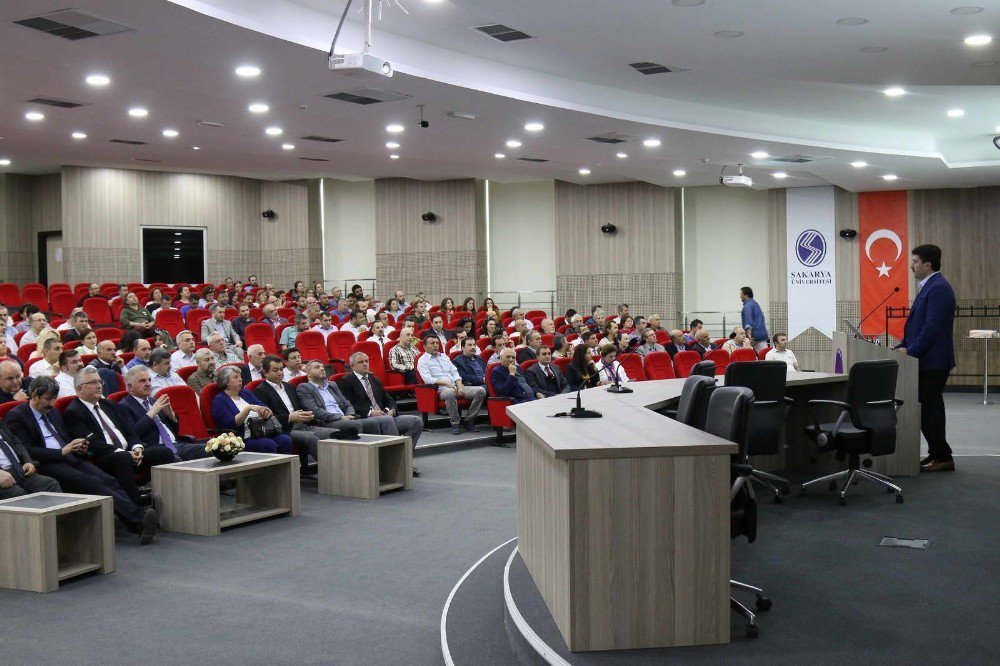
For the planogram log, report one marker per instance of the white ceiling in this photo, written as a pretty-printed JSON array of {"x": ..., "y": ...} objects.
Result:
[{"x": 795, "y": 83}]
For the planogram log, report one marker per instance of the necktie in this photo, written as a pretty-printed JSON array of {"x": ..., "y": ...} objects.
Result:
[
  {"x": 548, "y": 372},
  {"x": 15, "y": 464},
  {"x": 368, "y": 389},
  {"x": 114, "y": 441},
  {"x": 52, "y": 431},
  {"x": 165, "y": 437}
]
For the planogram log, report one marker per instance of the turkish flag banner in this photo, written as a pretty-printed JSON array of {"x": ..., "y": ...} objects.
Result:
[{"x": 884, "y": 258}]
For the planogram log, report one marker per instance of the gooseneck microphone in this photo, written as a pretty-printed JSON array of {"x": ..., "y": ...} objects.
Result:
[{"x": 865, "y": 318}]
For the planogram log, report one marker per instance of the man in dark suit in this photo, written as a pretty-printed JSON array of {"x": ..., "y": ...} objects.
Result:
[
  {"x": 153, "y": 420},
  {"x": 328, "y": 405},
  {"x": 11, "y": 382},
  {"x": 116, "y": 448},
  {"x": 532, "y": 343},
  {"x": 703, "y": 343},
  {"x": 18, "y": 475},
  {"x": 438, "y": 329},
  {"x": 470, "y": 365},
  {"x": 106, "y": 358},
  {"x": 79, "y": 323},
  {"x": 368, "y": 397},
  {"x": 927, "y": 336},
  {"x": 280, "y": 397},
  {"x": 676, "y": 343},
  {"x": 40, "y": 428},
  {"x": 545, "y": 378},
  {"x": 509, "y": 380}
]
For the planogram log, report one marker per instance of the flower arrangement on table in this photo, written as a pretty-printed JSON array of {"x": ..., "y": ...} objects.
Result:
[{"x": 225, "y": 446}]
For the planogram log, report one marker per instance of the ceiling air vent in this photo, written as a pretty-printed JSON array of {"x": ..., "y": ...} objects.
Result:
[
  {"x": 60, "y": 103},
  {"x": 145, "y": 159},
  {"x": 366, "y": 96},
  {"x": 502, "y": 32},
  {"x": 531, "y": 159},
  {"x": 128, "y": 142},
  {"x": 797, "y": 159},
  {"x": 313, "y": 159},
  {"x": 612, "y": 138},
  {"x": 324, "y": 139},
  {"x": 650, "y": 68},
  {"x": 73, "y": 24}
]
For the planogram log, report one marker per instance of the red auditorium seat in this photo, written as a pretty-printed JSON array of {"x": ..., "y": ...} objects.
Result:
[
  {"x": 117, "y": 396},
  {"x": 260, "y": 334},
  {"x": 254, "y": 384},
  {"x": 184, "y": 402},
  {"x": 528, "y": 364},
  {"x": 743, "y": 354},
  {"x": 721, "y": 358},
  {"x": 98, "y": 311},
  {"x": 658, "y": 365},
  {"x": 663, "y": 337},
  {"x": 207, "y": 393},
  {"x": 109, "y": 334},
  {"x": 116, "y": 309},
  {"x": 7, "y": 406},
  {"x": 279, "y": 328},
  {"x": 561, "y": 363},
  {"x": 718, "y": 342},
  {"x": 312, "y": 346},
  {"x": 169, "y": 320},
  {"x": 287, "y": 313},
  {"x": 295, "y": 381},
  {"x": 763, "y": 352},
  {"x": 684, "y": 361},
  {"x": 63, "y": 303},
  {"x": 35, "y": 293},
  {"x": 186, "y": 372},
  {"x": 193, "y": 320},
  {"x": 72, "y": 344},
  {"x": 10, "y": 295},
  {"x": 632, "y": 365},
  {"x": 536, "y": 313},
  {"x": 63, "y": 403},
  {"x": 339, "y": 345},
  {"x": 496, "y": 406}
]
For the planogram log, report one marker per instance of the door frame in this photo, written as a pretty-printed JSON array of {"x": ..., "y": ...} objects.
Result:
[{"x": 43, "y": 255}]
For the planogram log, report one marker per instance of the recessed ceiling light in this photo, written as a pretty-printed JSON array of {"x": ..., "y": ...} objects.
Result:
[
  {"x": 873, "y": 49},
  {"x": 687, "y": 3},
  {"x": 34, "y": 115},
  {"x": 177, "y": 256},
  {"x": 651, "y": 143},
  {"x": 248, "y": 71},
  {"x": 859, "y": 164},
  {"x": 4, "y": 161},
  {"x": 978, "y": 40},
  {"x": 890, "y": 176},
  {"x": 759, "y": 155},
  {"x": 258, "y": 107},
  {"x": 584, "y": 172},
  {"x": 273, "y": 131},
  {"x": 728, "y": 34},
  {"x": 997, "y": 129},
  {"x": 956, "y": 113},
  {"x": 288, "y": 146},
  {"x": 680, "y": 172},
  {"x": 966, "y": 11},
  {"x": 534, "y": 127},
  {"x": 395, "y": 129},
  {"x": 195, "y": 147},
  {"x": 98, "y": 80},
  {"x": 986, "y": 63},
  {"x": 622, "y": 156},
  {"x": 138, "y": 112},
  {"x": 177, "y": 233},
  {"x": 78, "y": 135},
  {"x": 780, "y": 174},
  {"x": 513, "y": 143},
  {"x": 433, "y": 2},
  {"x": 852, "y": 21},
  {"x": 177, "y": 242},
  {"x": 392, "y": 144},
  {"x": 170, "y": 133},
  {"x": 894, "y": 92},
  {"x": 394, "y": 157},
  {"x": 499, "y": 156}
]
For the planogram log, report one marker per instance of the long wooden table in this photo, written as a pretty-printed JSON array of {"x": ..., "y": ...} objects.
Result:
[{"x": 623, "y": 521}]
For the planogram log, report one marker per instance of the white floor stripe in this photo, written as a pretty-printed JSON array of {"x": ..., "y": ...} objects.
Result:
[
  {"x": 541, "y": 647},
  {"x": 445, "y": 651}
]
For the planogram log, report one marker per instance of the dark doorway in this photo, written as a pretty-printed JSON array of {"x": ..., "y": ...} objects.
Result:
[{"x": 173, "y": 255}]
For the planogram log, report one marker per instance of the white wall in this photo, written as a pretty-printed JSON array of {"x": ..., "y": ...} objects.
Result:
[
  {"x": 349, "y": 230},
  {"x": 726, "y": 246},
  {"x": 522, "y": 236}
]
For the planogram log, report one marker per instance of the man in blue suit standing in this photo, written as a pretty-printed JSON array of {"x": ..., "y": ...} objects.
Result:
[{"x": 927, "y": 336}]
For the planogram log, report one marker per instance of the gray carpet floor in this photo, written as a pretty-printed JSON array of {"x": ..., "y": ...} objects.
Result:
[{"x": 364, "y": 582}]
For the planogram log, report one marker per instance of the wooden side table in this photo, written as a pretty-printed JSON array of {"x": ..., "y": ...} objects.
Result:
[
  {"x": 46, "y": 538},
  {"x": 365, "y": 467}
]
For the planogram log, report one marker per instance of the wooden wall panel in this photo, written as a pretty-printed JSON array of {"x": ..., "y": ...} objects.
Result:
[
  {"x": 17, "y": 241},
  {"x": 286, "y": 253},
  {"x": 46, "y": 202}
]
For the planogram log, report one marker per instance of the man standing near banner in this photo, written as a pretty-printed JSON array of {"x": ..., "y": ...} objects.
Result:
[
  {"x": 753, "y": 319},
  {"x": 927, "y": 336}
]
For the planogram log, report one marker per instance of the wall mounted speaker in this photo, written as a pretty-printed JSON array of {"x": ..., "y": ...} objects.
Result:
[
  {"x": 428, "y": 217},
  {"x": 848, "y": 234},
  {"x": 269, "y": 214},
  {"x": 609, "y": 229}
]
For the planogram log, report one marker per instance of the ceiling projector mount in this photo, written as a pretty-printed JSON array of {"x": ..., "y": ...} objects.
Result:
[
  {"x": 738, "y": 180},
  {"x": 364, "y": 64}
]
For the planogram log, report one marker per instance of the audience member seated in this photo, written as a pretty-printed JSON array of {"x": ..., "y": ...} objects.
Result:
[
  {"x": 341, "y": 314},
  {"x": 581, "y": 371},
  {"x": 69, "y": 364},
  {"x": 242, "y": 320},
  {"x": 622, "y": 313},
  {"x": 11, "y": 382},
  {"x": 48, "y": 366},
  {"x": 597, "y": 316},
  {"x": 471, "y": 366},
  {"x": 355, "y": 324},
  {"x": 609, "y": 368},
  {"x": 703, "y": 343},
  {"x": 436, "y": 368},
  {"x": 325, "y": 325},
  {"x": 781, "y": 352},
  {"x": 142, "y": 350},
  {"x": 547, "y": 327},
  {"x": 610, "y": 332},
  {"x": 106, "y": 357},
  {"x": 290, "y": 333},
  {"x": 153, "y": 420},
  {"x": 532, "y": 343},
  {"x": 18, "y": 476},
  {"x": 161, "y": 373},
  {"x": 677, "y": 343},
  {"x": 255, "y": 360},
  {"x": 222, "y": 353},
  {"x": 692, "y": 335},
  {"x": 329, "y": 406},
  {"x": 39, "y": 426},
  {"x": 438, "y": 330},
  {"x": 217, "y": 324},
  {"x": 489, "y": 328},
  {"x": 544, "y": 377},
  {"x": 738, "y": 340},
  {"x": 649, "y": 344},
  {"x": 235, "y": 408},
  {"x": 205, "y": 374},
  {"x": 184, "y": 356},
  {"x": 93, "y": 291},
  {"x": 654, "y": 323},
  {"x": 293, "y": 364},
  {"x": 271, "y": 317},
  {"x": 419, "y": 316},
  {"x": 560, "y": 347},
  {"x": 136, "y": 317},
  {"x": 43, "y": 337},
  {"x": 379, "y": 334},
  {"x": 36, "y": 324},
  {"x": 402, "y": 356},
  {"x": 77, "y": 324},
  {"x": 88, "y": 344},
  {"x": 509, "y": 381},
  {"x": 114, "y": 445}
]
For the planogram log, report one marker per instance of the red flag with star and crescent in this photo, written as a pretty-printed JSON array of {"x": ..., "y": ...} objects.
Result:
[{"x": 884, "y": 258}]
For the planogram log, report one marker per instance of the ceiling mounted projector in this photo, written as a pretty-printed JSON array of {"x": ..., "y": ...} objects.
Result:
[
  {"x": 361, "y": 65},
  {"x": 738, "y": 180}
]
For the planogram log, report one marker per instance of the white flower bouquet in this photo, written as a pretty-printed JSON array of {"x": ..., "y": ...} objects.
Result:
[{"x": 225, "y": 446}]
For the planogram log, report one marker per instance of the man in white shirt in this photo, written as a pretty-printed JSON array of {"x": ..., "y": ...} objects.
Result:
[
  {"x": 49, "y": 365},
  {"x": 184, "y": 356},
  {"x": 69, "y": 363},
  {"x": 356, "y": 324},
  {"x": 161, "y": 373},
  {"x": 378, "y": 334},
  {"x": 436, "y": 368},
  {"x": 782, "y": 353},
  {"x": 293, "y": 364},
  {"x": 325, "y": 325},
  {"x": 37, "y": 323}
]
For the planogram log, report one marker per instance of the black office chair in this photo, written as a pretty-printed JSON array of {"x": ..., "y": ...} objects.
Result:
[
  {"x": 703, "y": 369},
  {"x": 770, "y": 409},
  {"x": 692, "y": 408},
  {"x": 728, "y": 415},
  {"x": 866, "y": 426}
]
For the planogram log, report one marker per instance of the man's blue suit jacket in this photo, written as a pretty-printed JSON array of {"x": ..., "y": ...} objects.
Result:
[{"x": 928, "y": 331}]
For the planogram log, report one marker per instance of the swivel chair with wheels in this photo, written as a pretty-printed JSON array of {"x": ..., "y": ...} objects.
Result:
[
  {"x": 770, "y": 409},
  {"x": 692, "y": 408},
  {"x": 728, "y": 414},
  {"x": 866, "y": 426}
]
